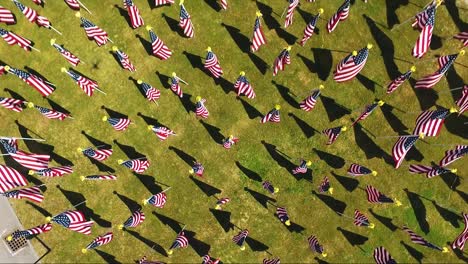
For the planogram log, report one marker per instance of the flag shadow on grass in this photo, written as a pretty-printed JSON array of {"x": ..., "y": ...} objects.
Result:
[
  {"x": 135, "y": 82},
  {"x": 75, "y": 198},
  {"x": 320, "y": 261},
  {"x": 196, "y": 62},
  {"x": 214, "y": 132},
  {"x": 452, "y": 182},
  {"x": 261, "y": 198},
  {"x": 10, "y": 162},
  {"x": 173, "y": 25},
  {"x": 124, "y": 14},
  {"x": 107, "y": 257},
  {"x": 199, "y": 246},
  {"x": 306, "y": 129},
  {"x": 448, "y": 215},
  {"x": 223, "y": 218},
  {"x": 368, "y": 146},
  {"x": 454, "y": 80},
  {"x": 96, "y": 142},
  {"x": 368, "y": 83},
  {"x": 173, "y": 224},
  {"x": 454, "y": 12},
  {"x": 426, "y": 97},
  {"x": 323, "y": 62},
  {"x": 57, "y": 107},
  {"x": 150, "y": 120},
  {"x": 251, "y": 111},
  {"x": 149, "y": 182},
  {"x": 456, "y": 125},
  {"x": 205, "y": 187},
  {"x": 294, "y": 227},
  {"x": 418, "y": 256},
  {"x": 463, "y": 195},
  {"x": 213, "y": 4},
  {"x": 283, "y": 161},
  {"x": 271, "y": 23},
  {"x": 335, "y": 205},
  {"x": 130, "y": 151},
  {"x": 287, "y": 94},
  {"x": 27, "y": 68},
  {"x": 391, "y": 7},
  {"x": 460, "y": 254},
  {"x": 333, "y": 161},
  {"x": 348, "y": 183},
  {"x": 386, "y": 221},
  {"x": 146, "y": 44},
  {"x": 334, "y": 110},
  {"x": 392, "y": 119},
  {"x": 256, "y": 245},
  {"x": 131, "y": 204},
  {"x": 187, "y": 158},
  {"x": 41, "y": 210},
  {"x": 305, "y": 15},
  {"x": 226, "y": 85},
  {"x": 353, "y": 238},
  {"x": 151, "y": 244},
  {"x": 419, "y": 209},
  {"x": 113, "y": 113},
  {"x": 38, "y": 147},
  {"x": 14, "y": 94},
  {"x": 164, "y": 80},
  {"x": 249, "y": 173}
]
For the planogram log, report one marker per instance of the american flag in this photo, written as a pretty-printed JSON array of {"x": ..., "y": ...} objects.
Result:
[
  {"x": 462, "y": 102},
  {"x": 421, "y": 18},
  {"x": 73, "y": 4},
  {"x": 367, "y": 111},
  {"x": 144, "y": 259},
  {"x": 430, "y": 171},
  {"x": 325, "y": 185},
  {"x": 382, "y": 256},
  {"x": 212, "y": 64},
  {"x": 392, "y": 86},
  {"x": 185, "y": 22},
  {"x": 94, "y": 32},
  {"x": 282, "y": 215},
  {"x": 12, "y": 39},
  {"x": 175, "y": 86},
  {"x": 240, "y": 238},
  {"x": 53, "y": 172},
  {"x": 417, "y": 239},
  {"x": 151, "y": 93},
  {"x": 38, "y": 2},
  {"x": 206, "y": 259},
  {"x": 350, "y": 66},
  {"x": 119, "y": 124},
  {"x": 358, "y": 170},
  {"x": 12, "y": 104},
  {"x": 401, "y": 147},
  {"x": 87, "y": 85},
  {"x": 333, "y": 133},
  {"x": 200, "y": 108},
  {"x": 72, "y": 59},
  {"x": 290, "y": 13},
  {"x": 125, "y": 61},
  {"x": 309, "y": 30},
  {"x": 430, "y": 122},
  {"x": 309, "y": 103},
  {"x": 6, "y": 16},
  {"x": 133, "y": 13},
  {"x": 135, "y": 219},
  {"x": 29, "y": 13},
  {"x": 222, "y": 201},
  {"x": 302, "y": 168},
  {"x": 162, "y": 132},
  {"x": 10, "y": 179},
  {"x": 272, "y": 116},
  {"x": 160, "y": 50},
  {"x": 224, "y": 4},
  {"x": 341, "y": 14},
  {"x": 424, "y": 39},
  {"x": 258, "y": 38},
  {"x": 43, "y": 22},
  {"x": 360, "y": 219},
  {"x": 97, "y": 154},
  {"x": 454, "y": 154},
  {"x": 229, "y": 142},
  {"x": 100, "y": 241},
  {"x": 74, "y": 220},
  {"x": 198, "y": 168},
  {"x": 271, "y": 261},
  {"x": 136, "y": 165},
  {"x": 314, "y": 245},
  {"x": 374, "y": 196},
  {"x": 463, "y": 36},
  {"x": 31, "y": 193},
  {"x": 269, "y": 187},
  {"x": 32, "y": 231},
  {"x": 282, "y": 60},
  {"x": 163, "y": 2},
  {"x": 157, "y": 200},
  {"x": 28, "y": 160},
  {"x": 181, "y": 241},
  {"x": 51, "y": 114},
  {"x": 444, "y": 64},
  {"x": 33, "y": 81},
  {"x": 99, "y": 177},
  {"x": 461, "y": 239},
  {"x": 243, "y": 86}
]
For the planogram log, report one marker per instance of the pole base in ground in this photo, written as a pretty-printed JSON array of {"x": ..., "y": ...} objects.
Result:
[{"x": 242, "y": 248}]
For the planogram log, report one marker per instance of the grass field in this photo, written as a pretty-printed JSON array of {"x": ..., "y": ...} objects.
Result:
[{"x": 429, "y": 207}]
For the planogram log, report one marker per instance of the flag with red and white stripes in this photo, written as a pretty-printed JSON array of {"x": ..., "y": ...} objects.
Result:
[
  {"x": 12, "y": 104},
  {"x": 185, "y": 22},
  {"x": 359, "y": 170},
  {"x": 162, "y": 132},
  {"x": 283, "y": 59},
  {"x": 229, "y": 142},
  {"x": 430, "y": 171},
  {"x": 461, "y": 239},
  {"x": 223, "y": 4},
  {"x": 314, "y": 244},
  {"x": 341, "y": 14},
  {"x": 401, "y": 147},
  {"x": 462, "y": 102},
  {"x": 28, "y": 160},
  {"x": 309, "y": 103},
  {"x": 10, "y": 179},
  {"x": 13, "y": 39},
  {"x": 417, "y": 239},
  {"x": 181, "y": 241},
  {"x": 87, "y": 85},
  {"x": 135, "y": 219},
  {"x": 430, "y": 122},
  {"x": 73, "y": 220},
  {"x": 73, "y": 4},
  {"x": 31, "y": 193},
  {"x": 350, "y": 66},
  {"x": 6, "y": 16},
  {"x": 333, "y": 133},
  {"x": 72, "y": 59},
  {"x": 367, "y": 111},
  {"x": 32, "y": 231},
  {"x": 200, "y": 108},
  {"x": 136, "y": 165},
  {"x": 290, "y": 13},
  {"x": 243, "y": 86},
  {"x": 462, "y": 36},
  {"x": 53, "y": 172},
  {"x": 258, "y": 38},
  {"x": 374, "y": 196},
  {"x": 157, "y": 200},
  {"x": 124, "y": 61},
  {"x": 444, "y": 64},
  {"x": 133, "y": 13},
  {"x": 425, "y": 37},
  {"x": 325, "y": 185},
  {"x": 163, "y": 2},
  {"x": 239, "y": 239},
  {"x": 271, "y": 261},
  {"x": 151, "y": 93},
  {"x": 94, "y": 32},
  {"x": 212, "y": 64},
  {"x": 302, "y": 168},
  {"x": 160, "y": 50},
  {"x": 309, "y": 30},
  {"x": 97, "y": 154},
  {"x": 454, "y": 154},
  {"x": 100, "y": 241},
  {"x": 38, "y": 2},
  {"x": 392, "y": 86},
  {"x": 421, "y": 18},
  {"x": 29, "y": 13},
  {"x": 272, "y": 116},
  {"x": 119, "y": 124},
  {"x": 34, "y": 81},
  {"x": 175, "y": 86},
  {"x": 382, "y": 256},
  {"x": 51, "y": 114},
  {"x": 360, "y": 219},
  {"x": 99, "y": 177}
]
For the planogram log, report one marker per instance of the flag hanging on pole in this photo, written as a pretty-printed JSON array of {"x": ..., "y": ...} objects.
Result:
[
  {"x": 13, "y": 39},
  {"x": 269, "y": 187},
  {"x": 181, "y": 241},
  {"x": 393, "y": 85},
  {"x": 29, "y": 13},
  {"x": 212, "y": 64},
  {"x": 461, "y": 239},
  {"x": 325, "y": 186},
  {"x": 453, "y": 155},
  {"x": 221, "y": 202},
  {"x": 97, "y": 154},
  {"x": 315, "y": 246},
  {"x": 417, "y": 239},
  {"x": 374, "y": 196},
  {"x": 243, "y": 86},
  {"x": 350, "y": 66},
  {"x": 341, "y": 14},
  {"x": 333, "y": 133},
  {"x": 309, "y": 103},
  {"x": 358, "y": 170},
  {"x": 430, "y": 171},
  {"x": 73, "y": 4},
  {"x": 124, "y": 60},
  {"x": 309, "y": 30},
  {"x": 175, "y": 85},
  {"x": 136, "y": 165},
  {"x": 197, "y": 168},
  {"x": 290, "y": 13},
  {"x": 382, "y": 256},
  {"x": 157, "y": 200},
  {"x": 53, "y": 172},
  {"x": 28, "y": 160},
  {"x": 28, "y": 233},
  {"x": 31, "y": 193},
  {"x": 93, "y": 32},
  {"x": 151, "y": 93},
  {"x": 402, "y": 146},
  {"x": 161, "y": 132},
  {"x": 223, "y": 4},
  {"x": 462, "y": 36},
  {"x": 6, "y": 16},
  {"x": 43, "y": 87},
  {"x": 73, "y": 220},
  {"x": 271, "y": 261},
  {"x": 230, "y": 141},
  {"x": 361, "y": 220},
  {"x": 99, "y": 241},
  {"x": 239, "y": 239},
  {"x": 49, "y": 113},
  {"x": 206, "y": 259},
  {"x": 99, "y": 177},
  {"x": 134, "y": 220},
  {"x": 444, "y": 64},
  {"x": 258, "y": 38},
  {"x": 119, "y": 124},
  {"x": 425, "y": 37},
  {"x": 272, "y": 116},
  {"x": 10, "y": 179},
  {"x": 302, "y": 168},
  {"x": 368, "y": 110},
  {"x": 133, "y": 13},
  {"x": 12, "y": 104},
  {"x": 72, "y": 59},
  {"x": 87, "y": 85},
  {"x": 185, "y": 21},
  {"x": 163, "y": 2},
  {"x": 160, "y": 50},
  {"x": 283, "y": 59},
  {"x": 430, "y": 122},
  {"x": 462, "y": 102},
  {"x": 283, "y": 216},
  {"x": 200, "y": 108}
]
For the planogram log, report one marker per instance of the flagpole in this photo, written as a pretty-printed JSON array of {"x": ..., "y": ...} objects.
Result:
[
  {"x": 360, "y": 221},
  {"x": 31, "y": 47},
  {"x": 166, "y": 190},
  {"x": 34, "y": 139},
  {"x": 409, "y": 19},
  {"x": 453, "y": 89},
  {"x": 54, "y": 29},
  {"x": 99, "y": 90},
  {"x": 110, "y": 40},
  {"x": 395, "y": 136},
  {"x": 181, "y": 80},
  {"x": 85, "y": 8}
]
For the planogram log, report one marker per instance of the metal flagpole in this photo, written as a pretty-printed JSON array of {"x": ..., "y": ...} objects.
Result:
[
  {"x": 34, "y": 139},
  {"x": 85, "y": 8}
]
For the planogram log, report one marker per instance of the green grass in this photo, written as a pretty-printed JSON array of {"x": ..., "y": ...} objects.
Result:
[{"x": 186, "y": 202}]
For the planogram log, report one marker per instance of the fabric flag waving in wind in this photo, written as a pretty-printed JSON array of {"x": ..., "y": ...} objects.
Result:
[
  {"x": 119, "y": 124},
  {"x": 283, "y": 59},
  {"x": 258, "y": 38},
  {"x": 309, "y": 103},
  {"x": 269, "y": 187},
  {"x": 10, "y": 179},
  {"x": 283, "y": 216},
  {"x": 290, "y": 13},
  {"x": 302, "y": 168},
  {"x": 315, "y": 246},
  {"x": 243, "y": 86},
  {"x": 160, "y": 50},
  {"x": 87, "y": 85},
  {"x": 181, "y": 241},
  {"x": 98, "y": 177},
  {"x": 430, "y": 122},
  {"x": 157, "y": 200},
  {"x": 197, "y": 168},
  {"x": 463, "y": 36},
  {"x": 461, "y": 239},
  {"x": 444, "y": 64},
  {"x": 53, "y": 172},
  {"x": 230, "y": 141},
  {"x": 361, "y": 220},
  {"x": 73, "y": 4},
  {"x": 239, "y": 239},
  {"x": 374, "y": 196},
  {"x": 73, "y": 220},
  {"x": 350, "y": 66},
  {"x": 13, "y": 39},
  {"x": 30, "y": 232},
  {"x": 382, "y": 256},
  {"x": 368, "y": 110},
  {"x": 309, "y": 30},
  {"x": 325, "y": 186},
  {"x": 333, "y": 133},
  {"x": 417, "y": 239},
  {"x": 200, "y": 108},
  {"x": 430, "y": 171},
  {"x": 424, "y": 39},
  {"x": 271, "y": 261},
  {"x": 175, "y": 85},
  {"x": 28, "y": 160},
  {"x": 185, "y": 21},
  {"x": 454, "y": 154},
  {"x": 124, "y": 60},
  {"x": 212, "y": 64},
  {"x": 151, "y": 93},
  {"x": 72, "y": 59},
  {"x": 94, "y": 32},
  {"x": 136, "y": 165},
  {"x": 223, "y": 4},
  {"x": 162, "y": 132},
  {"x": 134, "y": 220},
  {"x": 43, "y": 87},
  {"x": 358, "y": 170},
  {"x": 272, "y": 116},
  {"x": 402, "y": 146},
  {"x": 29, "y": 13},
  {"x": 6, "y": 16},
  {"x": 97, "y": 154},
  {"x": 393, "y": 85},
  {"x": 133, "y": 13},
  {"x": 163, "y": 2},
  {"x": 462, "y": 102},
  {"x": 206, "y": 259},
  {"x": 222, "y": 202},
  {"x": 31, "y": 193},
  {"x": 99, "y": 241},
  {"x": 12, "y": 104},
  {"x": 49, "y": 113},
  {"x": 341, "y": 14}
]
